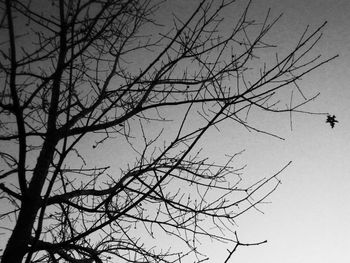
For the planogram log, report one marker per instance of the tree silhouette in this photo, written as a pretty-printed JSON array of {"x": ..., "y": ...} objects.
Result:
[{"x": 81, "y": 76}]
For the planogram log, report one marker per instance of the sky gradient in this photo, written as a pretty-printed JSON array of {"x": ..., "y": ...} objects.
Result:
[{"x": 308, "y": 218}]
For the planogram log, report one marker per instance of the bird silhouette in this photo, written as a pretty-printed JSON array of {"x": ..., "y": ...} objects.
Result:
[{"x": 331, "y": 120}]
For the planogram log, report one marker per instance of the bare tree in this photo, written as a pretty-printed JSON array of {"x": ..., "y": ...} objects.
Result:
[{"x": 80, "y": 75}]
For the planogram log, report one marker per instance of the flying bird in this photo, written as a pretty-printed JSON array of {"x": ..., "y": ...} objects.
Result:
[{"x": 331, "y": 120}]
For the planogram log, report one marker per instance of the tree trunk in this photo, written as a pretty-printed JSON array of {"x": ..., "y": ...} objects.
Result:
[{"x": 18, "y": 244}]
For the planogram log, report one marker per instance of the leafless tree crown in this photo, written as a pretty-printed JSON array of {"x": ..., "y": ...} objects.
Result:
[{"x": 77, "y": 76}]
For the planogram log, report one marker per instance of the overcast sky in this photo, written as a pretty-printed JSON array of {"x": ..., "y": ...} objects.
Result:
[{"x": 308, "y": 219}]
